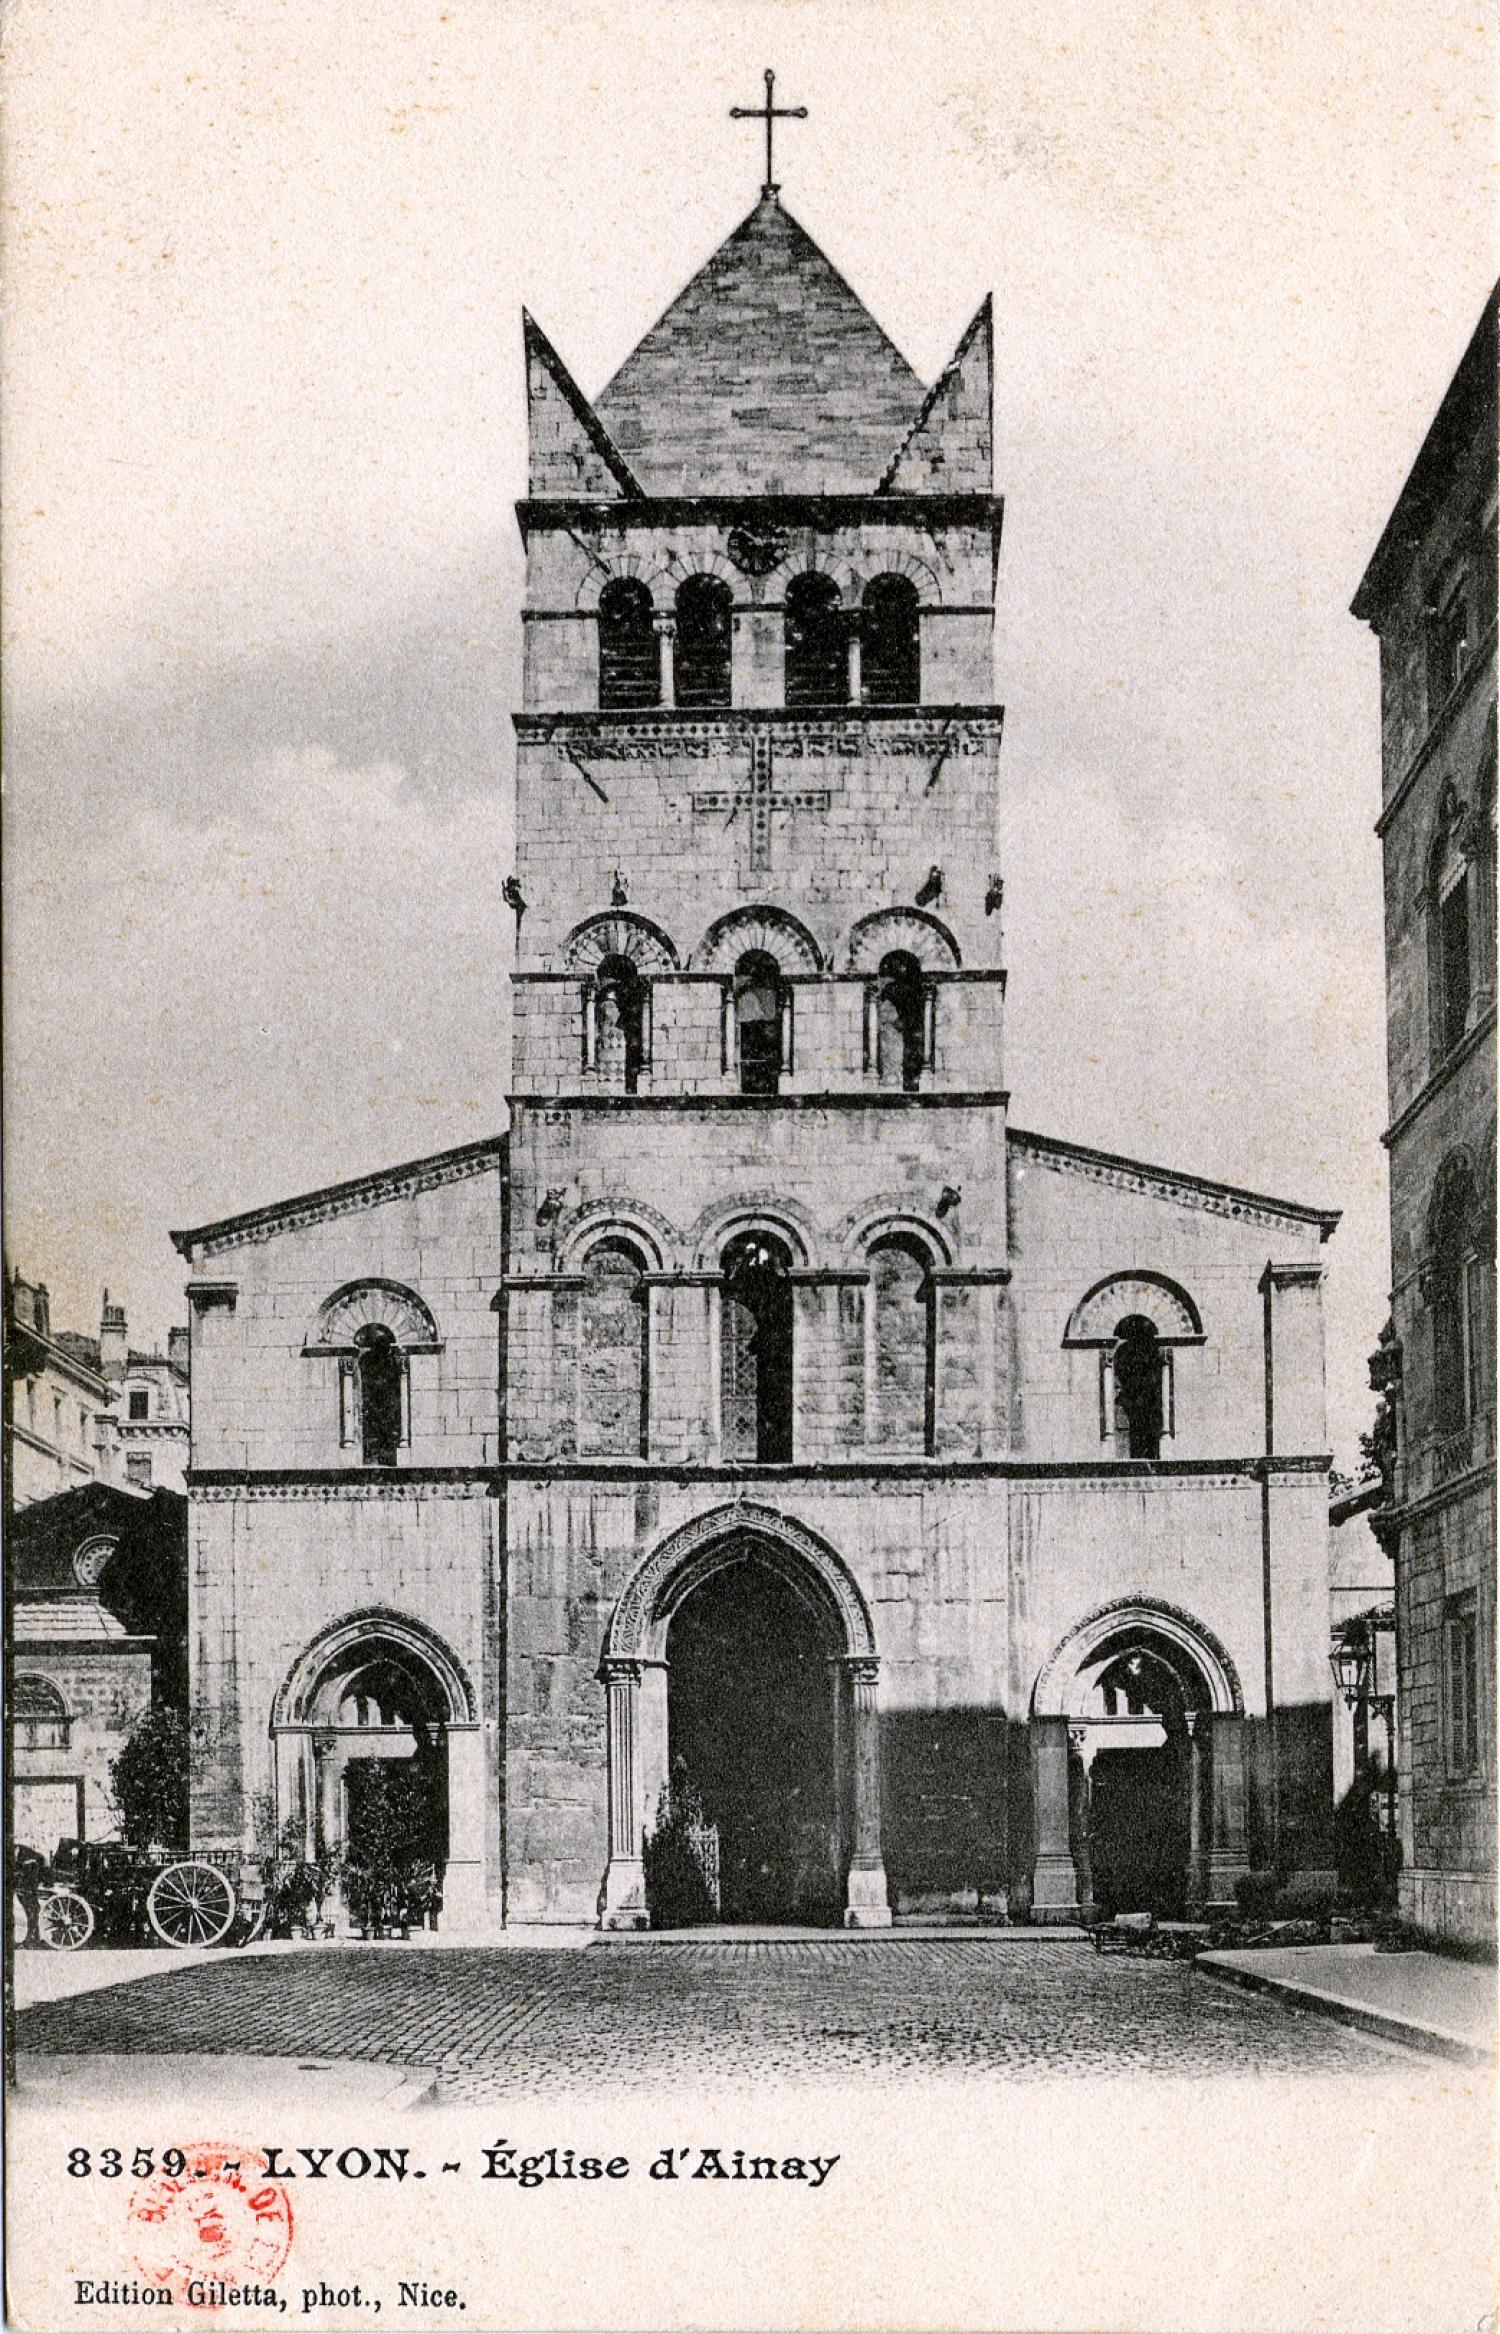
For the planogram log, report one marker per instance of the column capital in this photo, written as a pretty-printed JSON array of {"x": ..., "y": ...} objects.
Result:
[
  {"x": 665, "y": 627},
  {"x": 620, "y": 1669},
  {"x": 862, "y": 1669}
]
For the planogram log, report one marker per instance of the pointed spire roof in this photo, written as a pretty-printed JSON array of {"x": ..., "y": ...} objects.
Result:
[
  {"x": 951, "y": 441},
  {"x": 767, "y": 375}
]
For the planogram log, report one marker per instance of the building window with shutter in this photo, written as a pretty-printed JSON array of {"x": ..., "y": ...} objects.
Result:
[{"x": 1461, "y": 1682}]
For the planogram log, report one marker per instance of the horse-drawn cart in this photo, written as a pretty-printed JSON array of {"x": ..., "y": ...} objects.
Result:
[{"x": 132, "y": 1896}]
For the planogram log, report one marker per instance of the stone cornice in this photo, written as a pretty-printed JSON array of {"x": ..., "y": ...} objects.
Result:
[
  {"x": 1468, "y": 1046},
  {"x": 1396, "y": 1518},
  {"x": 615, "y": 736},
  {"x": 827, "y": 513},
  {"x": 1194, "y": 1191},
  {"x": 948, "y": 976},
  {"x": 875, "y": 1467},
  {"x": 340, "y": 1199},
  {"x": 221, "y": 1483},
  {"x": 1481, "y": 664},
  {"x": 484, "y": 1481},
  {"x": 881, "y": 1098}
]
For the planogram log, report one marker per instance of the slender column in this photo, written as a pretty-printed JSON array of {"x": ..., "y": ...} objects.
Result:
[
  {"x": 665, "y": 628},
  {"x": 867, "y": 1905},
  {"x": 623, "y": 1900},
  {"x": 1197, "y": 1725},
  {"x": 1054, "y": 1881},
  {"x": 325, "y": 1755},
  {"x": 1082, "y": 1744},
  {"x": 856, "y": 683},
  {"x": 1227, "y": 1853},
  {"x": 328, "y": 1772},
  {"x": 463, "y": 1879}
]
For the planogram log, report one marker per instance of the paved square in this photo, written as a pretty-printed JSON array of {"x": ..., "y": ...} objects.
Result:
[{"x": 633, "y": 2017}]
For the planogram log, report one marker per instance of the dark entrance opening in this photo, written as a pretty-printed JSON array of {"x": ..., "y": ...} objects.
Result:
[
  {"x": 750, "y": 1720},
  {"x": 1139, "y": 1795},
  {"x": 1138, "y": 1831}
]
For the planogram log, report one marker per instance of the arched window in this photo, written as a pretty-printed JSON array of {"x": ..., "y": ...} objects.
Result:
[
  {"x": 705, "y": 621},
  {"x": 380, "y": 1377},
  {"x": 1461, "y": 1288},
  {"x": 617, "y": 1023},
  {"x": 890, "y": 642},
  {"x": 901, "y": 1373},
  {"x": 1139, "y": 1365},
  {"x": 817, "y": 654},
  {"x": 38, "y": 1715},
  {"x": 756, "y": 1350},
  {"x": 762, "y": 1022},
  {"x": 629, "y": 664},
  {"x": 901, "y": 1016},
  {"x": 1453, "y": 939},
  {"x": 612, "y": 1353}
]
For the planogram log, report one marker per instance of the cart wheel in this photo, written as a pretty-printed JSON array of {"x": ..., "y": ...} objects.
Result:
[
  {"x": 190, "y": 1904},
  {"x": 65, "y": 1919},
  {"x": 20, "y": 1921}
]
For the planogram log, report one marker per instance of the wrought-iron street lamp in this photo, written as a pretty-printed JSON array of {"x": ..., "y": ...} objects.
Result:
[{"x": 1352, "y": 1662}]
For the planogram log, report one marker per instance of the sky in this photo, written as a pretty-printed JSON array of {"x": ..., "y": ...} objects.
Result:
[{"x": 263, "y": 428}]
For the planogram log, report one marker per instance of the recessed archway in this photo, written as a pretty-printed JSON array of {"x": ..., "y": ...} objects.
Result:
[
  {"x": 376, "y": 1753},
  {"x": 744, "y": 1750},
  {"x": 1139, "y": 1766}
]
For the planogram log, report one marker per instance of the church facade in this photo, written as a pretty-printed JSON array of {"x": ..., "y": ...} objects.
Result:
[{"x": 764, "y": 1484}]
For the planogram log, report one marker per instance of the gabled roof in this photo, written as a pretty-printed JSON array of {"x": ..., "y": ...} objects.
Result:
[
  {"x": 1194, "y": 1191},
  {"x": 339, "y": 1199},
  {"x": 766, "y": 375}
]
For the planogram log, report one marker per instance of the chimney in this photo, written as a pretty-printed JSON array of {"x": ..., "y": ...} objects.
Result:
[
  {"x": 177, "y": 1349},
  {"x": 113, "y": 1347}
]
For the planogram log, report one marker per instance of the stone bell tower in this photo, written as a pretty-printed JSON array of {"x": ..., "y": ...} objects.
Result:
[{"x": 757, "y": 1243}]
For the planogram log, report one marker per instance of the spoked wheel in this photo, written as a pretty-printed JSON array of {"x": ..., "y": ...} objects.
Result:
[
  {"x": 65, "y": 1919},
  {"x": 190, "y": 1904},
  {"x": 20, "y": 1920}
]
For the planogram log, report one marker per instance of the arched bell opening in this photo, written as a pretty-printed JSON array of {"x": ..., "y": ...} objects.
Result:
[{"x": 744, "y": 1736}]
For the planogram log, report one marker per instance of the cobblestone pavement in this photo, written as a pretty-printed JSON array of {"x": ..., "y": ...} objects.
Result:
[{"x": 626, "y": 2017}]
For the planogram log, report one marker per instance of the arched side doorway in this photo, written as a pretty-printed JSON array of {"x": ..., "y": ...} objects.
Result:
[
  {"x": 740, "y": 1670},
  {"x": 1138, "y": 1762},
  {"x": 377, "y": 1753}
]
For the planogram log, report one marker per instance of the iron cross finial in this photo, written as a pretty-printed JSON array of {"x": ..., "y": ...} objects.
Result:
[{"x": 770, "y": 113}]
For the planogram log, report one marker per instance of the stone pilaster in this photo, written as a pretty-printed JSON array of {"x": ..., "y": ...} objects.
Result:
[{"x": 867, "y": 1904}]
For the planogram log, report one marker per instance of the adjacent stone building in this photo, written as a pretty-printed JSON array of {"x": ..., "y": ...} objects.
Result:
[
  {"x": 766, "y": 1484},
  {"x": 97, "y": 1586},
  {"x": 1429, "y": 594},
  {"x": 80, "y": 1409}
]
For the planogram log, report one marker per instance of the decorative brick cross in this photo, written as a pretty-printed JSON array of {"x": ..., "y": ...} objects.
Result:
[{"x": 762, "y": 798}]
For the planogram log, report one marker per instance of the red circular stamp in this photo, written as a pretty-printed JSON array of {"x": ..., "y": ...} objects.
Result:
[{"x": 209, "y": 2224}]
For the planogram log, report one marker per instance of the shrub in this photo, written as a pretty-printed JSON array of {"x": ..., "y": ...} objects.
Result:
[
  {"x": 1307, "y": 1895},
  {"x": 1256, "y": 1892},
  {"x": 149, "y": 1780}
]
